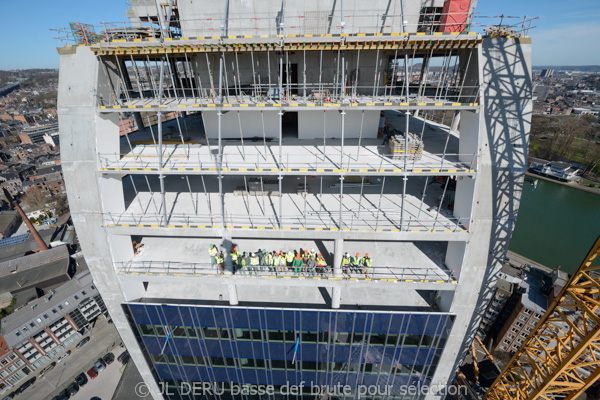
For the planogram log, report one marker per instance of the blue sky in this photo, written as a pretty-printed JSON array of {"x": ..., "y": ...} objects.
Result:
[{"x": 568, "y": 32}]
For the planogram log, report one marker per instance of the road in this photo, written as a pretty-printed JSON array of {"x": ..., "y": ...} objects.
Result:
[{"x": 103, "y": 338}]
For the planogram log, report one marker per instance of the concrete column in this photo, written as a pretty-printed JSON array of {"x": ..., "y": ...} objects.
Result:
[
  {"x": 233, "y": 297},
  {"x": 336, "y": 297},
  {"x": 338, "y": 252}
]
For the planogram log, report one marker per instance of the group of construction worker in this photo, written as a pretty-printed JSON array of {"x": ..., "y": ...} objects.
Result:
[{"x": 302, "y": 262}]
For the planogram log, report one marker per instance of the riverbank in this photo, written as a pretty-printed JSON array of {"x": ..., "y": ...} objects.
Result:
[
  {"x": 573, "y": 185},
  {"x": 517, "y": 260}
]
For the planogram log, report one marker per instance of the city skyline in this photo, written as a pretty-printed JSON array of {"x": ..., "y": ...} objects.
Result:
[{"x": 569, "y": 26}]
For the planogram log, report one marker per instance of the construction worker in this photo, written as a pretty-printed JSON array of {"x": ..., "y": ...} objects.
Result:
[
  {"x": 313, "y": 254},
  {"x": 212, "y": 250},
  {"x": 289, "y": 258},
  {"x": 243, "y": 261},
  {"x": 297, "y": 263},
  {"x": 282, "y": 262},
  {"x": 234, "y": 259},
  {"x": 275, "y": 261},
  {"x": 355, "y": 262},
  {"x": 267, "y": 260},
  {"x": 254, "y": 263},
  {"x": 305, "y": 259},
  {"x": 346, "y": 264},
  {"x": 220, "y": 262},
  {"x": 366, "y": 264},
  {"x": 321, "y": 264},
  {"x": 311, "y": 266}
]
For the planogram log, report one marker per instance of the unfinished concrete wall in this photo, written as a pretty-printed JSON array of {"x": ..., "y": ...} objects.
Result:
[
  {"x": 245, "y": 17},
  {"x": 311, "y": 124},
  {"x": 251, "y": 124},
  {"x": 82, "y": 133},
  {"x": 504, "y": 124}
]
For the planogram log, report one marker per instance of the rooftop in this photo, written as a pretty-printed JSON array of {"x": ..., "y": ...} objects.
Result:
[{"x": 48, "y": 309}]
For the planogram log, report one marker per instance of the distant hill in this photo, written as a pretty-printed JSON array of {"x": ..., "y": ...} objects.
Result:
[{"x": 582, "y": 68}]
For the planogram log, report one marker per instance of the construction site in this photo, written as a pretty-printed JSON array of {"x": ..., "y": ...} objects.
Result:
[{"x": 389, "y": 128}]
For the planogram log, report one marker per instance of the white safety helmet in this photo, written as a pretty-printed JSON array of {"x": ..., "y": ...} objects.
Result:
[{"x": 312, "y": 251}]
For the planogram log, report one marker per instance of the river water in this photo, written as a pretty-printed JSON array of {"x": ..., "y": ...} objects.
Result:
[{"x": 556, "y": 225}]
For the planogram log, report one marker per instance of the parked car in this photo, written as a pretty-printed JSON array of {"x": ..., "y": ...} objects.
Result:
[
  {"x": 9, "y": 396},
  {"x": 109, "y": 358},
  {"x": 73, "y": 388},
  {"x": 100, "y": 365},
  {"x": 45, "y": 370},
  {"x": 81, "y": 379},
  {"x": 123, "y": 355},
  {"x": 64, "y": 395},
  {"x": 67, "y": 354},
  {"x": 125, "y": 359},
  {"x": 92, "y": 372},
  {"x": 24, "y": 386},
  {"x": 82, "y": 342}
]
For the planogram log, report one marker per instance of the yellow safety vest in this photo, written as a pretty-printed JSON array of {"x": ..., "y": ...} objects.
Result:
[
  {"x": 367, "y": 262},
  {"x": 345, "y": 261},
  {"x": 321, "y": 262},
  {"x": 254, "y": 260},
  {"x": 234, "y": 256},
  {"x": 289, "y": 257},
  {"x": 219, "y": 260},
  {"x": 212, "y": 251}
]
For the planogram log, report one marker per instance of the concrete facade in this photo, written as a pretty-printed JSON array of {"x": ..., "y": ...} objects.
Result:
[{"x": 407, "y": 222}]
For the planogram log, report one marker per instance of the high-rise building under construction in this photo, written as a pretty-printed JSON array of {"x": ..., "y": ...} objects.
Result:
[{"x": 337, "y": 127}]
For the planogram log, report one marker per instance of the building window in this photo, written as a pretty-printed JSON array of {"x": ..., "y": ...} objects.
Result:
[
  {"x": 519, "y": 324},
  {"x": 54, "y": 311},
  {"x": 31, "y": 324},
  {"x": 11, "y": 368},
  {"x": 528, "y": 328},
  {"x": 527, "y": 311},
  {"x": 519, "y": 341},
  {"x": 46, "y": 316},
  {"x": 12, "y": 356},
  {"x": 83, "y": 293},
  {"x": 532, "y": 322},
  {"x": 60, "y": 307},
  {"x": 524, "y": 334},
  {"x": 515, "y": 346},
  {"x": 506, "y": 341},
  {"x": 522, "y": 317},
  {"x": 510, "y": 336},
  {"x": 4, "y": 374},
  {"x": 537, "y": 316},
  {"x": 514, "y": 330},
  {"x": 76, "y": 297},
  {"x": 502, "y": 347}
]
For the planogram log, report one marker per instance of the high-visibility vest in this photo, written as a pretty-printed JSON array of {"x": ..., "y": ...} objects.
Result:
[
  {"x": 289, "y": 257},
  {"x": 219, "y": 260},
  {"x": 321, "y": 262},
  {"x": 345, "y": 261},
  {"x": 213, "y": 251},
  {"x": 366, "y": 262},
  {"x": 234, "y": 256},
  {"x": 313, "y": 254},
  {"x": 281, "y": 260},
  {"x": 243, "y": 261},
  {"x": 254, "y": 260},
  {"x": 267, "y": 259},
  {"x": 355, "y": 260},
  {"x": 276, "y": 260}
]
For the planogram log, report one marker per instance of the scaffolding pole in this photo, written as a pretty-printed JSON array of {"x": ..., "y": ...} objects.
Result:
[
  {"x": 343, "y": 113},
  {"x": 407, "y": 126}
]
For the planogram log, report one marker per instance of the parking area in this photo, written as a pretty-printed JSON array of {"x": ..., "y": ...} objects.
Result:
[{"x": 103, "y": 339}]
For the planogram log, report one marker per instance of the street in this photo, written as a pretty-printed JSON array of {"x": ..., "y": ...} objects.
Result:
[{"x": 102, "y": 339}]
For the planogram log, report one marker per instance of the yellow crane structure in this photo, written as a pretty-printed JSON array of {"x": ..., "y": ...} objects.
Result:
[{"x": 561, "y": 356}]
